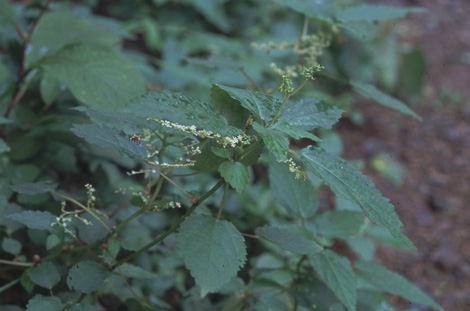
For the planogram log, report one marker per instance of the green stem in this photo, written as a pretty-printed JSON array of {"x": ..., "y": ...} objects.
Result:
[
  {"x": 223, "y": 200},
  {"x": 16, "y": 263},
  {"x": 174, "y": 227},
  {"x": 286, "y": 97},
  {"x": 249, "y": 149},
  {"x": 305, "y": 28},
  {"x": 84, "y": 208},
  {"x": 8, "y": 285},
  {"x": 188, "y": 195}
]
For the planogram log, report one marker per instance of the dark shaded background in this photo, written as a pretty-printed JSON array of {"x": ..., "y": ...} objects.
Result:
[{"x": 433, "y": 201}]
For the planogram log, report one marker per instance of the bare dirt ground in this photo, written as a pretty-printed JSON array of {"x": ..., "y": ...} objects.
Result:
[{"x": 434, "y": 200}]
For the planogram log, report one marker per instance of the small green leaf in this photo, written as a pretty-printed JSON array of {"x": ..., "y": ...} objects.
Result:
[
  {"x": 308, "y": 114},
  {"x": 11, "y": 246},
  {"x": 371, "y": 92},
  {"x": 212, "y": 250},
  {"x": 236, "y": 174},
  {"x": 373, "y": 13},
  {"x": 348, "y": 183},
  {"x": 229, "y": 107},
  {"x": 394, "y": 283},
  {"x": 41, "y": 303},
  {"x": 275, "y": 140},
  {"x": 337, "y": 224},
  {"x": 3, "y": 146},
  {"x": 336, "y": 272},
  {"x": 297, "y": 196},
  {"x": 289, "y": 240},
  {"x": 293, "y": 132},
  {"x": 131, "y": 271},
  {"x": 93, "y": 232},
  {"x": 86, "y": 276},
  {"x": 222, "y": 152},
  {"x": 262, "y": 105},
  {"x": 45, "y": 275},
  {"x": 52, "y": 241},
  {"x": 207, "y": 159},
  {"x": 49, "y": 88},
  {"x": 106, "y": 137},
  {"x": 34, "y": 219},
  {"x": 97, "y": 76},
  {"x": 33, "y": 188}
]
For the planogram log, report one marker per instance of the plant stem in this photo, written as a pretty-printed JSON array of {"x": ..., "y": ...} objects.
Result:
[
  {"x": 16, "y": 263},
  {"x": 223, "y": 200},
  {"x": 249, "y": 235},
  {"x": 286, "y": 97},
  {"x": 8, "y": 285},
  {"x": 174, "y": 227},
  {"x": 305, "y": 28},
  {"x": 84, "y": 208},
  {"x": 190, "y": 196}
]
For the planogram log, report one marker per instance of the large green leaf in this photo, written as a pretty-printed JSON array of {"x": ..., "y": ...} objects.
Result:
[
  {"x": 371, "y": 92},
  {"x": 6, "y": 13},
  {"x": 236, "y": 174},
  {"x": 11, "y": 246},
  {"x": 86, "y": 276},
  {"x": 298, "y": 196},
  {"x": 308, "y": 114},
  {"x": 275, "y": 140},
  {"x": 45, "y": 275},
  {"x": 41, "y": 303},
  {"x": 293, "y": 132},
  {"x": 56, "y": 30},
  {"x": 106, "y": 137},
  {"x": 262, "y": 105},
  {"x": 212, "y": 250},
  {"x": 348, "y": 183},
  {"x": 393, "y": 283},
  {"x": 182, "y": 110},
  {"x": 229, "y": 107},
  {"x": 98, "y": 76},
  {"x": 34, "y": 188},
  {"x": 34, "y": 219},
  {"x": 337, "y": 224},
  {"x": 373, "y": 13},
  {"x": 313, "y": 9},
  {"x": 336, "y": 272},
  {"x": 289, "y": 240}
]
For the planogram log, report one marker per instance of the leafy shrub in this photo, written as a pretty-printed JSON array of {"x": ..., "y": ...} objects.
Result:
[{"x": 115, "y": 195}]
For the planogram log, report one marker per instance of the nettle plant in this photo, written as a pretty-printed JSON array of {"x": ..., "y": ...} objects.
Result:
[{"x": 162, "y": 201}]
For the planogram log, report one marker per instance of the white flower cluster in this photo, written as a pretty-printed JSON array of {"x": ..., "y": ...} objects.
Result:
[
  {"x": 91, "y": 197},
  {"x": 171, "y": 204},
  {"x": 294, "y": 168},
  {"x": 233, "y": 141}
]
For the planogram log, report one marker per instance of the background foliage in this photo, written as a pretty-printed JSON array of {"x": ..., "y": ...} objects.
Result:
[{"x": 122, "y": 120}]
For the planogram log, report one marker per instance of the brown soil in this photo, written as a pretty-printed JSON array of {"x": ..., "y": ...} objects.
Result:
[{"x": 433, "y": 200}]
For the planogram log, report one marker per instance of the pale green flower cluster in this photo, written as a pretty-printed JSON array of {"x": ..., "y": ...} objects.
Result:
[
  {"x": 225, "y": 141},
  {"x": 294, "y": 168}
]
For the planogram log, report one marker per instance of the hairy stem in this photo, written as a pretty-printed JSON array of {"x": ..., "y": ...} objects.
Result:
[
  {"x": 223, "y": 200},
  {"x": 16, "y": 263}
]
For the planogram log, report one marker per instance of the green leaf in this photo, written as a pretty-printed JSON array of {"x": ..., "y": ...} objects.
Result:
[
  {"x": 3, "y": 146},
  {"x": 298, "y": 196},
  {"x": 106, "y": 137},
  {"x": 338, "y": 224},
  {"x": 313, "y": 9},
  {"x": 45, "y": 275},
  {"x": 49, "y": 88},
  {"x": 373, "y": 13},
  {"x": 97, "y": 76},
  {"x": 207, "y": 159},
  {"x": 86, "y": 276},
  {"x": 236, "y": 174},
  {"x": 293, "y": 132},
  {"x": 289, "y": 240},
  {"x": 348, "y": 183},
  {"x": 183, "y": 110},
  {"x": 222, "y": 152},
  {"x": 131, "y": 271},
  {"x": 41, "y": 303},
  {"x": 308, "y": 114},
  {"x": 213, "y": 10},
  {"x": 34, "y": 219},
  {"x": 94, "y": 231},
  {"x": 6, "y": 12},
  {"x": 229, "y": 107},
  {"x": 52, "y": 241},
  {"x": 275, "y": 140},
  {"x": 56, "y": 30},
  {"x": 11, "y": 246},
  {"x": 394, "y": 283},
  {"x": 371, "y": 92},
  {"x": 212, "y": 250},
  {"x": 336, "y": 272},
  {"x": 33, "y": 188},
  {"x": 262, "y": 105}
]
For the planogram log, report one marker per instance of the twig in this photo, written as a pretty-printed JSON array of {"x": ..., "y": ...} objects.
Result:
[{"x": 223, "y": 200}]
